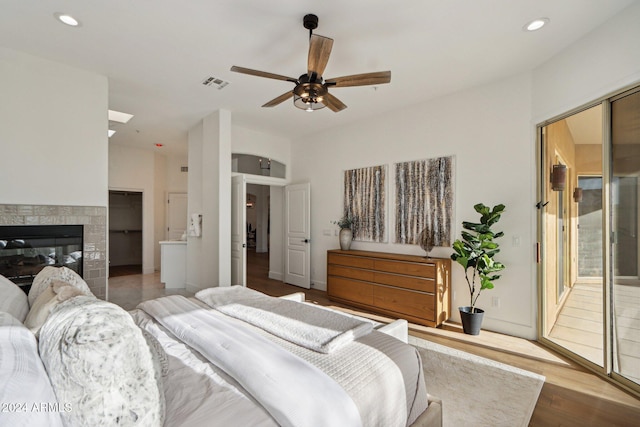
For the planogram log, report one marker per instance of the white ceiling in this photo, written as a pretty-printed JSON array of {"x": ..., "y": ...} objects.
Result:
[{"x": 156, "y": 53}]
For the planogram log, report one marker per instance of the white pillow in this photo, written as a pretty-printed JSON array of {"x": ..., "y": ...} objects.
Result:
[
  {"x": 13, "y": 300},
  {"x": 49, "y": 274},
  {"x": 42, "y": 307},
  {"x": 99, "y": 362},
  {"x": 24, "y": 383}
]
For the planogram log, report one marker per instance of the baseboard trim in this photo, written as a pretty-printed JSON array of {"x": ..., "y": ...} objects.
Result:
[{"x": 276, "y": 276}]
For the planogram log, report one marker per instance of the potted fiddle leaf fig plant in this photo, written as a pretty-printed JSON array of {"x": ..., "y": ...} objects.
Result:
[{"x": 476, "y": 252}]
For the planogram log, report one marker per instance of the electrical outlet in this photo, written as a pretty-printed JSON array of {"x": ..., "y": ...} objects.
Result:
[{"x": 495, "y": 302}]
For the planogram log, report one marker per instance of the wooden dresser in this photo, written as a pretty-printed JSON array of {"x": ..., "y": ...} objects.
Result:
[{"x": 404, "y": 286}]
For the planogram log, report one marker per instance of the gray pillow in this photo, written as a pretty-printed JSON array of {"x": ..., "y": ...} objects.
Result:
[{"x": 13, "y": 300}]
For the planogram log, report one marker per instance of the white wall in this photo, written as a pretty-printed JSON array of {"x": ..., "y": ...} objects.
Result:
[
  {"x": 160, "y": 197},
  {"x": 195, "y": 205},
  {"x": 53, "y": 133},
  {"x": 134, "y": 169},
  {"x": 491, "y": 132},
  {"x": 176, "y": 180},
  {"x": 606, "y": 60},
  {"x": 487, "y": 129},
  {"x": 248, "y": 141},
  {"x": 210, "y": 195}
]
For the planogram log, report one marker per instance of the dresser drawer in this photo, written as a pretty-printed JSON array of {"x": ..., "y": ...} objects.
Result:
[
  {"x": 423, "y": 284},
  {"x": 351, "y": 261},
  {"x": 408, "y": 268},
  {"x": 352, "y": 273},
  {"x": 408, "y": 302},
  {"x": 398, "y": 285},
  {"x": 348, "y": 289}
]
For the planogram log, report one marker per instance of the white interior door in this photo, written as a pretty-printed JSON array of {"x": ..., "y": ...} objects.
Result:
[
  {"x": 176, "y": 215},
  {"x": 239, "y": 230},
  {"x": 297, "y": 260}
]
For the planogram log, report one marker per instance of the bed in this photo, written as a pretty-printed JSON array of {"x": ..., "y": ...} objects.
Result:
[{"x": 217, "y": 359}]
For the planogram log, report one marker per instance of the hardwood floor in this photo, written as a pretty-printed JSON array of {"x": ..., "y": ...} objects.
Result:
[
  {"x": 124, "y": 270},
  {"x": 571, "y": 396}
]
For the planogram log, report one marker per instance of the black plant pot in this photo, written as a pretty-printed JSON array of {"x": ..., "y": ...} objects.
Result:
[{"x": 471, "y": 322}]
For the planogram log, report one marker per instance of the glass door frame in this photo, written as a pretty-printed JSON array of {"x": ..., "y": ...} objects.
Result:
[
  {"x": 609, "y": 240},
  {"x": 605, "y": 371},
  {"x": 542, "y": 176}
]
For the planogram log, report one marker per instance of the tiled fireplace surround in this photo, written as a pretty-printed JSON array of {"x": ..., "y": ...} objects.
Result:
[{"x": 94, "y": 220}]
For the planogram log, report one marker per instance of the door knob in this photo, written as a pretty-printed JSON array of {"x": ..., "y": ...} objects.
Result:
[{"x": 306, "y": 240}]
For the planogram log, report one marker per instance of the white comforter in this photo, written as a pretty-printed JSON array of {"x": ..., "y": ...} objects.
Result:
[
  {"x": 302, "y": 324},
  {"x": 382, "y": 376},
  {"x": 198, "y": 393},
  {"x": 260, "y": 366}
]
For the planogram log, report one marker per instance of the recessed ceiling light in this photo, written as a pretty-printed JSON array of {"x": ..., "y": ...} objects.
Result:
[
  {"x": 111, "y": 132},
  {"x": 117, "y": 116},
  {"x": 67, "y": 19},
  {"x": 536, "y": 24}
]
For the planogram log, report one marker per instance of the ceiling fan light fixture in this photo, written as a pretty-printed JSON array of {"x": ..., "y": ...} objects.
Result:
[
  {"x": 307, "y": 104},
  {"x": 312, "y": 91}
]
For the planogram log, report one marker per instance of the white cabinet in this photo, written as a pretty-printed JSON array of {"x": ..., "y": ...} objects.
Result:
[{"x": 173, "y": 263}]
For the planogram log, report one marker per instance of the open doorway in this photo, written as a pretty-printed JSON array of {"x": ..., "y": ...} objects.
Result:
[
  {"x": 258, "y": 231},
  {"x": 125, "y": 233}
]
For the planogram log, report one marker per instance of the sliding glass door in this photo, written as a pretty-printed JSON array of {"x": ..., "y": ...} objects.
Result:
[
  {"x": 572, "y": 245},
  {"x": 624, "y": 199},
  {"x": 589, "y": 238}
]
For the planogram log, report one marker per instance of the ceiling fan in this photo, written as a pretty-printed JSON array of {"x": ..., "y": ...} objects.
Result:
[{"x": 311, "y": 91}]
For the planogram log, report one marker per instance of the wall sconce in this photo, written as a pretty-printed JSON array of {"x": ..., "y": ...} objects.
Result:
[
  {"x": 559, "y": 177},
  {"x": 266, "y": 165},
  {"x": 577, "y": 194}
]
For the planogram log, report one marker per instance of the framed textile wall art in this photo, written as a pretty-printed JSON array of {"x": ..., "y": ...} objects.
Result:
[
  {"x": 424, "y": 201},
  {"x": 365, "y": 201}
]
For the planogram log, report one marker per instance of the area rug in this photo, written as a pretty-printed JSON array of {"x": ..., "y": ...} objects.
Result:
[{"x": 476, "y": 391}]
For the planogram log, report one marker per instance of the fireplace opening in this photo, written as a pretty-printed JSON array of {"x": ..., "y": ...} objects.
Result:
[{"x": 27, "y": 249}]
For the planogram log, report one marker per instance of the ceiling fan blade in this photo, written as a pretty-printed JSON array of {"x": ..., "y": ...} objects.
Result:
[
  {"x": 263, "y": 74},
  {"x": 319, "y": 51},
  {"x": 279, "y": 100},
  {"x": 333, "y": 103},
  {"x": 377, "y": 78}
]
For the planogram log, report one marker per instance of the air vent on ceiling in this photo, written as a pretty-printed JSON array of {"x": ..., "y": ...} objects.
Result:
[
  {"x": 184, "y": 168},
  {"x": 214, "y": 81}
]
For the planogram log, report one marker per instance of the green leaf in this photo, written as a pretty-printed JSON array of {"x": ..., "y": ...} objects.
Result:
[
  {"x": 481, "y": 208},
  {"x": 463, "y": 261},
  {"x": 488, "y": 245},
  {"x": 485, "y": 283}
]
